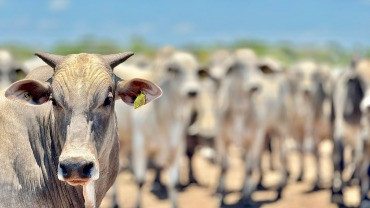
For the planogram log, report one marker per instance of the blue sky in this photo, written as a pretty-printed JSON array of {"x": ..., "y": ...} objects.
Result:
[{"x": 174, "y": 22}]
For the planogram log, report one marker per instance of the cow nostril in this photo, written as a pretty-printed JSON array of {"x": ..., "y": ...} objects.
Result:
[
  {"x": 192, "y": 93},
  {"x": 306, "y": 92},
  {"x": 76, "y": 169},
  {"x": 64, "y": 170},
  {"x": 87, "y": 169}
]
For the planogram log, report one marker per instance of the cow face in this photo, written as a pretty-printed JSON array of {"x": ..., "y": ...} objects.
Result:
[
  {"x": 362, "y": 69},
  {"x": 82, "y": 92},
  {"x": 183, "y": 71},
  {"x": 220, "y": 64},
  {"x": 308, "y": 79},
  {"x": 8, "y": 73}
]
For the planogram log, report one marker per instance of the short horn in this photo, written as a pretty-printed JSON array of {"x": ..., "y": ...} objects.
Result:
[
  {"x": 50, "y": 59},
  {"x": 114, "y": 60}
]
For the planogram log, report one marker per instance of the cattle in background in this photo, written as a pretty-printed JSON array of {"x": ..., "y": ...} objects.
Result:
[
  {"x": 202, "y": 129},
  {"x": 9, "y": 72},
  {"x": 351, "y": 128},
  {"x": 32, "y": 63},
  {"x": 253, "y": 107},
  {"x": 158, "y": 130},
  {"x": 59, "y": 134},
  {"x": 139, "y": 66},
  {"x": 222, "y": 60},
  {"x": 311, "y": 122}
]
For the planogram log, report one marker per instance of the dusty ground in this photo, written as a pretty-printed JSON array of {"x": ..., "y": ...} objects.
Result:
[{"x": 295, "y": 194}]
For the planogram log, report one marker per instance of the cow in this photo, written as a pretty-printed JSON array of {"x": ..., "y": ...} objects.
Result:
[
  {"x": 202, "y": 127},
  {"x": 9, "y": 71},
  {"x": 311, "y": 110},
  {"x": 253, "y": 105},
  {"x": 158, "y": 130},
  {"x": 351, "y": 128},
  {"x": 59, "y": 134},
  {"x": 32, "y": 63}
]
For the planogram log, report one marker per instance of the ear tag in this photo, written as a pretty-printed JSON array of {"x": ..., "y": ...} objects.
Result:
[
  {"x": 27, "y": 96},
  {"x": 139, "y": 100}
]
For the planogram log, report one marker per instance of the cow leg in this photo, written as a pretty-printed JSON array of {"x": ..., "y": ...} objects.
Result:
[
  {"x": 177, "y": 149},
  {"x": 158, "y": 188},
  {"x": 269, "y": 140},
  {"x": 248, "y": 186},
  {"x": 301, "y": 165},
  {"x": 365, "y": 183},
  {"x": 192, "y": 142},
  {"x": 357, "y": 157},
  {"x": 222, "y": 159},
  {"x": 174, "y": 177},
  {"x": 284, "y": 169},
  {"x": 115, "y": 202},
  {"x": 260, "y": 185},
  {"x": 316, "y": 184},
  {"x": 139, "y": 162},
  {"x": 252, "y": 163},
  {"x": 270, "y": 147},
  {"x": 338, "y": 160}
]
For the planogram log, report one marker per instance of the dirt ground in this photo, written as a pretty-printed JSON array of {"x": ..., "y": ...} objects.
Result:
[{"x": 295, "y": 194}]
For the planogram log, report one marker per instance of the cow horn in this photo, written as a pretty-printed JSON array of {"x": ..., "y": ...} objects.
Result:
[
  {"x": 50, "y": 59},
  {"x": 114, "y": 59}
]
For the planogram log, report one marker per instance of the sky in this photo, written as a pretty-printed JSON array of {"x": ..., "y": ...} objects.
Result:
[{"x": 174, "y": 22}]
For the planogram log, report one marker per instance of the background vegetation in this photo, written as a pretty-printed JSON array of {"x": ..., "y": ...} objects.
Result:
[{"x": 286, "y": 52}]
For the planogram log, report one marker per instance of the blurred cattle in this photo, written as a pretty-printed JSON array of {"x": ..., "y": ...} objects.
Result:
[
  {"x": 30, "y": 64},
  {"x": 253, "y": 108},
  {"x": 351, "y": 128},
  {"x": 9, "y": 72},
  {"x": 158, "y": 130},
  {"x": 202, "y": 128},
  {"x": 311, "y": 115}
]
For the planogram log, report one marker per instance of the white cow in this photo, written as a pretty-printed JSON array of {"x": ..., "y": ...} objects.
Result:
[
  {"x": 310, "y": 86},
  {"x": 351, "y": 128},
  {"x": 253, "y": 107},
  {"x": 9, "y": 72},
  {"x": 158, "y": 131}
]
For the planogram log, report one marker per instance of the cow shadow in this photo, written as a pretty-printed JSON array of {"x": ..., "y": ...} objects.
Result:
[{"x": 242, "y": 203}]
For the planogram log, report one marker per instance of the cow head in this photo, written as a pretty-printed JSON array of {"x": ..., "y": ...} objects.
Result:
[
  {"x": 181, "y": 70},
  {"x": 362, "y": 71},
  {"x": 309, "y": 79},
  {"x": 8, "y": 72},
  {"x": 82, "y": 92}
]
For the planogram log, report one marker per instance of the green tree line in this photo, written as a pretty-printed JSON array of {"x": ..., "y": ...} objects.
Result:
[{"x": 286, "y": 52}]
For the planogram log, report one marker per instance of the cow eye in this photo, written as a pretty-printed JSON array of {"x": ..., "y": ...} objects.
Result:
[
  {"x": 173, "y": 70},
  {"x": 54, "y": 102},
  {"x": 202, "y": 74},
  {"x": 108, "y": 100}
]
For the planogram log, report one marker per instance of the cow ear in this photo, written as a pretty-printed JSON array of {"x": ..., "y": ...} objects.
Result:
[
  {"x": 29, "y": 91},
  {"x": 130, "y": 90}
]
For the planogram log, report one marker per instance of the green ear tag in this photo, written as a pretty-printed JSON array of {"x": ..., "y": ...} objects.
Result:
[{"x": 140, "y": 100}]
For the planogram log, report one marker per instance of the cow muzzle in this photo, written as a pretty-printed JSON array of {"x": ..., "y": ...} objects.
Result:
[{"x": 77, "y": 171}]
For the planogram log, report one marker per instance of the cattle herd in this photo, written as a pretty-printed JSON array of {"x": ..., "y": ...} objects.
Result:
[{"x": 65, "y": 135}]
